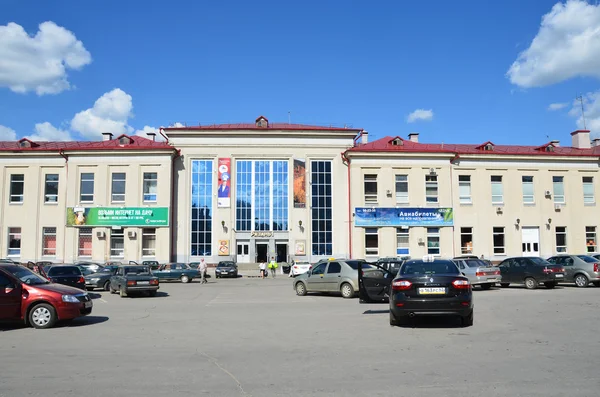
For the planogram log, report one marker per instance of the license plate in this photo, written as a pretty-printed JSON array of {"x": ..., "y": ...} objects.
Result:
[
  {"x": 558, "y": 275},
  {"x": 143, "y": 282},
  {"x": 223, "y": 272},
  {"x": 432, "y": 291},
  {"x": 88, "y": 305},
  {"x": 492, "y": 279}
]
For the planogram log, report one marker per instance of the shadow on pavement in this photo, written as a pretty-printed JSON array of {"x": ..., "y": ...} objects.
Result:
[
  {"x": 82, "y": 321},
  {"x": 433, "y": 322},
  {"x": 386, "y": 311}
]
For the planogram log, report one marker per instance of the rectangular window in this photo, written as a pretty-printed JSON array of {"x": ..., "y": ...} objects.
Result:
[
  {"x": 431, "y": 189},
  {"x": 51, "y": 188},
  {"x": 371, "y": 242},
  {"x": 466, "y": 240},
  {"x": 117, "y": 243},
  {"x": 150, "y": 187},
  {"x": 561, "y": 239},
  {"x": 280, "y": 195},
  {"x": 401, "y": 189},
  {"x": 498, "y": 236},
  {"x": 558, "y": 187},
  {"x": 118, "y": 187},
  {"x": 85, "y": 242},
  {"x": 14, "y": 241},
  {"x": 590, "y": 239},
  {"x": 86, "y": 188},
  {"x": 588, "y": 190},
  {"x": 370, "y": 189},
  {"x": 402, "y": 241},
  {"x": 262, "y": 195},
  {"x": 148, "y": 242},
  {"x": 497, "y": 189},
  {"x": 17, "y": 186},
  {"x": 243, "y": 191},
  {"x": 528, "y": 197},
  {"x": 464, "y": 189},
  {"x": 433, "y": 241},
  {"x": 202, "y": 199},
  {"x": 49, "y": 241},
  {"x": 321, "y": 203}
]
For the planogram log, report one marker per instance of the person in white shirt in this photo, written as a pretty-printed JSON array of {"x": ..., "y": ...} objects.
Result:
[
  {"x": 263, "y": 269},
  {"x": 202, "y": 267}
]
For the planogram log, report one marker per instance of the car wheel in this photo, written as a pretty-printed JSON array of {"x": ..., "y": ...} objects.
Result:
[
  {"x": 397, "y": 321},
  {"x": 530, "y": 283},
  {"x": 300, "y": 289},
  {"x": 123, "y": 292},
  {"x": 107, "y": 286},
  {"x": 467, "y": 321},
  {"x": 581, "y": 281},
  {"x": 111, "y": 289},
  {"x": 42, "y": 316},
  {"x": 504, "y": 285},
  {"x": 347, "y": 291},
  {"x": 185, "y": 279},
  {"x": 550, "y": 284},
  {"x": 486, "y": 286}
]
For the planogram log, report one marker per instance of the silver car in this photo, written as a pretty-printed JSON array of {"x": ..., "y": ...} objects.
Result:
[
  {"x": 581, "y": 269},
  {"x": 478, "y": 271},
  {"x": 336, "y": 275}
]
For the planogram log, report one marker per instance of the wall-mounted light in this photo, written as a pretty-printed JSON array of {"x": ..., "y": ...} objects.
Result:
[
  {"x": 300, "y": 223},
  {"x": 223, "y": 224},
  {"x": 518, "y": 221},
  {"x": 549, "y": 220}
]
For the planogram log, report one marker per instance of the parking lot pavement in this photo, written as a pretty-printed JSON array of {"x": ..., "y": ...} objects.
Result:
[{"x": 254, "y": 337}]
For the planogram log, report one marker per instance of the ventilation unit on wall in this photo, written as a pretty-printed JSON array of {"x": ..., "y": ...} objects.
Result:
[
  {"x": 131, "y": 234},
  {"x": 547, "y": 193},
  {"x": 100, "y": 234}
]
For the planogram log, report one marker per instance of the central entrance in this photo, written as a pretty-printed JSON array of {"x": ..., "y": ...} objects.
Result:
[
  {"x": 281, "y": 249},
  {"x": 262, "y": 251}
]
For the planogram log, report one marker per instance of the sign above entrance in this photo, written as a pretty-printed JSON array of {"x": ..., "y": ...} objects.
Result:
[
  {"x": 261, "y": 234},
  {"x": 122, "y": 216},
  {"x": 373, "y": 217}
]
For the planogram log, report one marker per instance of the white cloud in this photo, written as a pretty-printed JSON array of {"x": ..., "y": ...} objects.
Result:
[
  {"x": 420, "y": 114},
  {"x": 591, "y": 107},
  {"x": 39, "y": 63},
  {"x": 144, "y": 133},
  {"x": 47, "y": 132},
  {"x": 557, "y": 106},
  {"x": 567, "y": 45},
  {"x": 7, "y": 134},
  {"x": 177, "y": 124},
  {"x": 110, "y": 113}
]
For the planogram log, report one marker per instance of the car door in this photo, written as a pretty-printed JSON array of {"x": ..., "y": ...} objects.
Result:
[
  {"x": 163, "y": 272},
  {"x": 333, "y": 275},
  {"x": 314, "y": 281},
  {"x": 506, "y": 269},
  {"x": 374, "y": 284},
  {"x": 117, "y": 279},
  {"x": 10, "y": 298},
  {"x": 567, "y": 263}
]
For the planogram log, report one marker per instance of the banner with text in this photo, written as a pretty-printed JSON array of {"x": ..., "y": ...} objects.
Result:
[
  {"x": 125, "y": 216},
  {"x": 389, "y": 216},
  {"x": 224, "y": 189}
]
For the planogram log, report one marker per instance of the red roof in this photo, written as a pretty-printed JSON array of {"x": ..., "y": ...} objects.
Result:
[
  {"x": 272, "y": 126},
  {"x": 385, "y": 145},
  {"x": 136, "y": 143}
]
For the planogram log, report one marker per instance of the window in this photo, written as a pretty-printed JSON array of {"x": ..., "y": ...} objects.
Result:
[
  {"x": 371, "y": 242},
  {"x": 497, "y": 189},
  {"x": 117, "y": 243},
  {"x": 150, "y": 187},
  {"x": 431, "y": 189},
  {"x": 321, "y": 200},
  {"x": 280, "y": 195},
  {"x": 148, "y": 242},
  {"x": 401, "y": 189},
  {"x": 17, "y": 185},
  {"x": 498, "y": 236},
  {"x": 528, "y": 197},
  {"x": 464, "y": 189},
  {"x": 588, "y": 190},
  {"x": 85, "y": 242},
  {"x": 49, "y": 241},
  {"x": 243, "y": 190},
  {"x": 433, "y": 241},
  {"x": 86, "y": 187},
  {"x": 559, "y": 189},
  {"x": 561, "y": 239},
  {"x": 466, "y": 240},
  {"x": 51, "y": 188},
  {"x": 202, "y": 217},
  {"x": 319, "y": 269},
  {"x": 14, "y": 241},
  {"x": 590, "y": 239},
  {"x": 370, "y": 189},
  {"x": 262, "y": 195},
  {"x": 402, "y": 241},
  {"x": 334, "y": 268},
  {"x": 118, "y": 187}
]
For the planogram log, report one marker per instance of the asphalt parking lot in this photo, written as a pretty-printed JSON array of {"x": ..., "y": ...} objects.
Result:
[{"x": 253, "y": 337}]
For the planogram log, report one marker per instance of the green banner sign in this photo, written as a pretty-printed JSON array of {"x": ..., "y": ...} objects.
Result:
[{"x": 121, "y": 216}]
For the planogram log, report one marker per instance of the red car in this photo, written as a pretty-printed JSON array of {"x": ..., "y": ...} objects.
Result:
[{"x": 28, "y": 297}]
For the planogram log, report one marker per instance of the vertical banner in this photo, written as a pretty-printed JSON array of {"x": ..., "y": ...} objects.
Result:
[
  {"x": 299, "y": 183},
  {"x": 223, "y": 192},
  {"x": 223, "y": 247}
]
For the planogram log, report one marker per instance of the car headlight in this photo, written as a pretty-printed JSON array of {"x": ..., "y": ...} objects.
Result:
[
  {"x": 70, "y": 299},
  {"x": 94, "y": 280}
]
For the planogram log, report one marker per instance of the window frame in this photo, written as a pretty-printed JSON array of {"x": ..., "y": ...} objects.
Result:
[
  {"x": 432, "y": 234},
  {"x": 370, "y": 197},
  {"x": 118, "y": 197},
  {"x": 560, "y": 249},
  {"x": 499, "y": 249},
  {"x": 590, "y": 183},
  {"x": 465, "y": 183},
  {"x": 402, "y": 233},
  {"x": 466, "y": 231},
  {"x": 148, "y": 182},
  {"x": 148, "y": 233},
  {"x": 16, "y": 198},
  {"x": 401, "y": 197},
  {"x": 371, "y": 234},
  {"x": 591, "y": 236},
  {"x": 81, "y": 185},
  {"x": 82, "y": 233},
  {"x": 523, "y": 185},
  {"x": 500, "y": 184},
  {"x": 16, "y": 251},
  {"x": 431, "y": 181},
  {"x": 560, "y": 181},
  {"x": 48, "y": 183},
  {"x": 47, "y": 232},
  {"x": 114, "y": 234}
]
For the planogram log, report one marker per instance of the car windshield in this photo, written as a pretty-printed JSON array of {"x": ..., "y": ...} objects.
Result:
[
  {"x": 226, "y": 264},
  {"x": 64, "y": 271},
  {"x": 25, "y": 275},
  {"x": 137, "y": 270},
  {"x": 587, "y": 258},
  {"x": 108, "y": 269},
  {"x": 428, "y": 268},
  {"x": 539, "y": 261},
  {"x": 354, "y": 264},
  {"x": 476, "y": 263}
]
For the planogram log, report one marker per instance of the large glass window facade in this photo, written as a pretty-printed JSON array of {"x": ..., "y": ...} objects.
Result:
[
  {"x": 321, "y": 208},
  {"x": 202, "y": 192},
  {"x": 262, "y": 195}
]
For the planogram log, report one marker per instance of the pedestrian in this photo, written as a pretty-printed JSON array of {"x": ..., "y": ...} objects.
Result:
[
  {"x": 202, "y": 267},
  {"x": 291, "y": 273},
  {"x": 263, "y": 269},
  {"x": 273, "y": 266}
]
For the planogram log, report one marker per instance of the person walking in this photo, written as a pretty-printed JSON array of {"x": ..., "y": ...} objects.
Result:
[
  {"x": 202, "y": 268},
  {"x": 263, "y": 269},
  {"x": 273, "y": 266}
]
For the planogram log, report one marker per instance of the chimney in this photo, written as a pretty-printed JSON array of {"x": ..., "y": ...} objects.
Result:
[
  {"x": 580, "y": 139},
  {"x": 151, "y": 135},
  {"x": 107, "y": 136},
  {"x": 364, "y": 138},
  {"x": 555, "y": 143},
  {"x": 596, "y": 142},
  {"x": 413, "y": 137}
]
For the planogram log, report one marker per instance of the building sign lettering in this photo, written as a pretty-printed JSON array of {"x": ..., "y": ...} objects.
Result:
[{"x": 261, "y": 234}]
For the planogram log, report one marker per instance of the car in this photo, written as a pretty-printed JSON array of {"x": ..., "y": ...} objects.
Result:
[
  {"x": 176, "y": 271},
  {"x": 100, "y": 279},
  {"x": 299, "y": 268},
  {"x": 133, "y": 279},
  {"x": 392, "y": 263},
  {"x": 89, "y": 267},
  {"x": 66, "y": 274},
  {"x": 154, "y": 265},
  {"x": 226, "y": 269},
  {"x": 478, "y": 272},
  {"x": 430, "y": 287},
  {"x": 332, "y": 275},
  {"x": 27, "y": 297},
  {"x": 580, "y": 269},
  {"x": 530, "y": 271}
]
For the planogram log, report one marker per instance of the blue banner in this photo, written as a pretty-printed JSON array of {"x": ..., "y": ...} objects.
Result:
[{"x": 430, "y": 217}]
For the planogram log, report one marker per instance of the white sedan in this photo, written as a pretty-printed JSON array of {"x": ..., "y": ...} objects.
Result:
[{"x": 299, "y": 268}]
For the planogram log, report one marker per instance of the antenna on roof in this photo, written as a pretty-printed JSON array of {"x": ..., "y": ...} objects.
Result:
[
  {"x": 289, "y": 117},
  {"x": 580, "y": 99}
]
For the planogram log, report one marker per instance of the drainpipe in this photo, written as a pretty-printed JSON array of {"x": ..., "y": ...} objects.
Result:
[
  {"x": 360, "y": 134},
  {"x": 172, "y": 206},
  {"x": 346, "y": 162},
  {"x": 160, "y": 131},
  {"x": 62, "y": 153},
  {"x": 456, "y": 157}
]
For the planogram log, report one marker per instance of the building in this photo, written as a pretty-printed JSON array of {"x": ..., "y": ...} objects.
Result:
[{"x": 412, "y": 198}]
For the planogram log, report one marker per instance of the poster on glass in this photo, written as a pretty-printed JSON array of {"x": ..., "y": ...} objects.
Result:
[
  {"x": 223, "y": 193},
  {"x": 299, "y": 183}
]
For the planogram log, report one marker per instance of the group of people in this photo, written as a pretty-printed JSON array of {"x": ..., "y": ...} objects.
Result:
[{"x": 272, "y": 268}]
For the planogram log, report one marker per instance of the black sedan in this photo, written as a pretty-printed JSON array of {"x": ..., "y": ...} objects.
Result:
[
  {"x": 530, "y": 271},
  {"x": 133, "y": 279},
  {"x": 100, "y": 279},
  {"x": 226, "y": 269},
  {"x": 66, "y": 274}
]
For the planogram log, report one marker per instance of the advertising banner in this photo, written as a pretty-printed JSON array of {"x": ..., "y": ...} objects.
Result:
[
  {"x": 299, "y": 183},
  {"x": 223, "y": 192},
  {"x": 429, "y": 217},
  {"x": 223, "y": 247},
  {"x": 300, "y": 247},
  {"x": 121, "y": 216}
]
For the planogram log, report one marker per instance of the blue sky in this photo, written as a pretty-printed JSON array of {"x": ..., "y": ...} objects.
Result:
[{"x": 326, "y": 62}]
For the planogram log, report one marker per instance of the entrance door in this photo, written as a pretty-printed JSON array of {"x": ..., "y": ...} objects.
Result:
[
  {"x": 281, "y": 252},
  {"x": 262, "y": 250},
  {"x": 242, "y": 252},
  {"x": 531, "y": 241}
]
